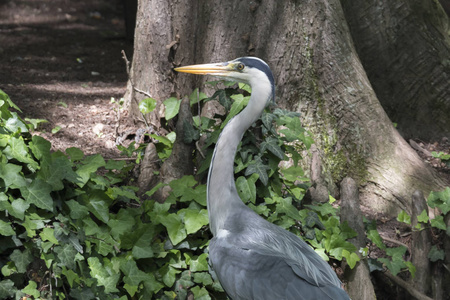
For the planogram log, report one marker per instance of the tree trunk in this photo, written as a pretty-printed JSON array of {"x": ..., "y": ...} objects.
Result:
[
  {"x": 404, "y": 47},
  {"x": 318, "y": 73}
]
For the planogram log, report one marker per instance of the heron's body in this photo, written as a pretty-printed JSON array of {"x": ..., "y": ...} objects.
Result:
[{"x": 251, "y": 257}]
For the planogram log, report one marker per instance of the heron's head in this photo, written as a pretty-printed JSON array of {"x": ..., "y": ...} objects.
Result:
[{"x": 249, "y": 70}]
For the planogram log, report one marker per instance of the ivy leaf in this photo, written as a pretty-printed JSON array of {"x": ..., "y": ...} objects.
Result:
[
  {"x": 75, "y": 154},
  {"x": 17, "y": 149},
  {"x": 351, "y": 257},
  {"x": 169, "y": 275},
  {"x": 271, "y": 144},
  {"x": 245, "y": 87},
  {"x": 152, "y": 285},
  {"x": 48, "y": 234},
  {"x": 199, "y": 264},
  {"x": 183, "y": 188},
  {"x": 32, "y": 224},
  {"x": 131, "y": 289},
  {"x": 439, "y": 223},
  {"x": 7, "y": 288},
  {"x": 133, "y": 276},
  {"x": 285, "y": 206},
  {"x": 190, "y": 133},
  {"x": 293, "y": 173},
  {"x": 6, "y": 101},
  {"x": 10, "y": 173},
  {"x": 395, "y": 266},
  {"x": 98, "y": 205},
  {"x": 411, "y": 268},
  {"x": 147, "y": 105},
  {"x": 196, "y": 97},
  {"x": 267, "y": 119},
  {"x": 223, "y": 98},
  {"x": 436, "y": 254},
  {"x": 38, "y": 193},
  {"x": 203, "y": 278},
  {"x": 70, "y": 275},
  {"x": 21, "y": 259},
  {"x": 175, "y": 227},
  {"x": 293, "y": 129},
  {"x": 90, "y": 165},
  {"x": 246, "y": 188},
  {"x": 123, "y": 222},
  {"x": 324, "y": 209},
  {"x": 172, "y": 107},
  {"x": 195, "y": 219},
  {"x": 183, "y": 284},
  {"x": 312, "y": 219},
  {"x": 258, "y": 167},
  {"x": 423, "y": 217},
  {"x": 76, "y": 210},
  {"x": 440, "y": 200},
  {"x": 58, "y": 169},
  {"x": 15, "y": 123},
  {"x": 31, "y": 289},
  {"x": 104, "y": 274},
  {"x": 397, "y": 252},
  {"x": 40, "y": 147},
  {"x": 404, "y": 217},
  {"x": 66, "y": 255},
  {"x": 6, "y": 229},
  {"x": 200, "y": 293},
  {"x": 239, "y": 102},
  {"x": 139, "y": 252},
  {"x": 375, "y": 237}
]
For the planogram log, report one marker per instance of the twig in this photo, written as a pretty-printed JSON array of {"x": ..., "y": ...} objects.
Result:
[
  {"x": 199, "y": 149},
  {"x": 395, "y": 242},
  {"x": 417, "y": 147},
  {"x": 127, "y": 62},
  {"x": 122, "y": 158},
  {"x": 406, "y": 286},
  {"x": 140, "y": 91}
]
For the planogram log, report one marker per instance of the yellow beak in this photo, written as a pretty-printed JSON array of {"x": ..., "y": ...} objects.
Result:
[{"x": 218, "y": 69}]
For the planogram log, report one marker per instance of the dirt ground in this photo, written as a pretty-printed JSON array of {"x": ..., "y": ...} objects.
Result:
[{"x": 61, "y": 61}]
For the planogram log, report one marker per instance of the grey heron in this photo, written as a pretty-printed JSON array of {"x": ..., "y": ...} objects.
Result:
[{"x": 251, "y": 257}]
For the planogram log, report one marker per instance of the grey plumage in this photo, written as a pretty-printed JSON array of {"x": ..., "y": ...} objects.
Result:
[{"x": 251, "y": 257}]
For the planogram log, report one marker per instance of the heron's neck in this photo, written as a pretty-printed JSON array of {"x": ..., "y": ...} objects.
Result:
[{"x": 222, "y": 196}]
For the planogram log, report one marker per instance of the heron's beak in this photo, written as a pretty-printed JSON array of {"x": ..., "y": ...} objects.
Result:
[{"x": 218, "y": 69}]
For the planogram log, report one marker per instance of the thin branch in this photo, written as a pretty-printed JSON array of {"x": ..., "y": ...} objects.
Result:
[
  {"x": 406, "y": 286},
  {"x": 199, "y": 149},
  {"x": 387, "y": 239},
  {"x": 140, "y": 91}
]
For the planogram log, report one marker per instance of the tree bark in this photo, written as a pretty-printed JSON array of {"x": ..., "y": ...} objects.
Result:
[
  {"x": 359, "y": 284},
  {"x": 404, "y": 47},
  {"x": 420, "y": 245},
  {"x": 318, "y": 73}
]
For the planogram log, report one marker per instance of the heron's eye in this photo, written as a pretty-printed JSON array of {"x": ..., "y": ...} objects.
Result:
[{"x": 240, "y": 67}]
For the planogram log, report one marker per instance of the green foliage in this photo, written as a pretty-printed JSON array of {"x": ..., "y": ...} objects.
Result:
[
  {"x": 394, "y": 257},
  {"x": 440, "y": 200},
  {"x": 147, "y": 105},
  {"x": 437, "y": 200},
  {"x": 442, "y": 156},
  {"x": 404, "y": 217},
  {"x": 172, "y": 106},
  {"x": 71, "y": 222}
]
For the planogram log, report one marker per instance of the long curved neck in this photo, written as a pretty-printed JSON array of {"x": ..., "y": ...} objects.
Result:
[{"x": 222, "y": 196}]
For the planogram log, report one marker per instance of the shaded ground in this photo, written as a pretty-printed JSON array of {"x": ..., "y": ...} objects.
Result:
[{"x": 61, "y": 61}]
